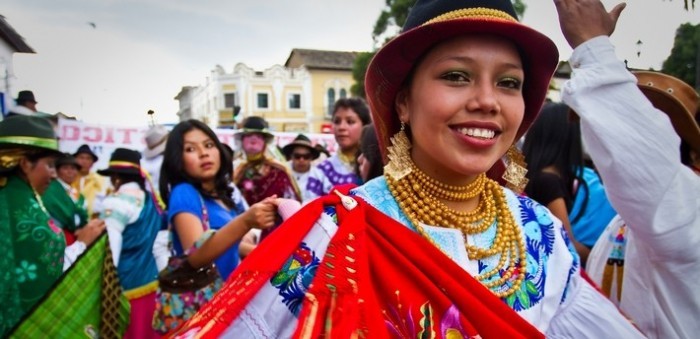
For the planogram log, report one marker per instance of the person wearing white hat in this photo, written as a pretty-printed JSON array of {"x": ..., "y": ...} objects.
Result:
[{"x": 155, "y": 138}]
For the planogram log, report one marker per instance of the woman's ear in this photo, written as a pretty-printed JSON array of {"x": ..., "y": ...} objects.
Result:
[
  {"x": 25, "y": 165},
  {"x": 401, "y": 104}
]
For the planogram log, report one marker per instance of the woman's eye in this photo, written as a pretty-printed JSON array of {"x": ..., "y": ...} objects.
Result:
[
  {"x": 189, "y": 149},
  {"x": 456, "y": 76},
  {"x": 510, "y": 83},
  {"x": 209, "y": 145}
]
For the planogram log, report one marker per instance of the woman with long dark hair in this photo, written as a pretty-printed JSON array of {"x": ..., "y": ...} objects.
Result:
[
  {"x": 133, "y": 219},
  {"x": 194, "y": 180},
  {"x": 554, "y": 158}
]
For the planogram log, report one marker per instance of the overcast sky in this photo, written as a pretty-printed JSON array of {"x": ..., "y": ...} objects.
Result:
[{"x": 141, "y": 52}]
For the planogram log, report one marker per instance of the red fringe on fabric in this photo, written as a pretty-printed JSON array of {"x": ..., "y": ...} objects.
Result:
[{"x": 378, "y": 279}]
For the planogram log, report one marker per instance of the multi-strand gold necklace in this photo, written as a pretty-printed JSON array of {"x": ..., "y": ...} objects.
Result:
[{"x": 419, "y": 197}]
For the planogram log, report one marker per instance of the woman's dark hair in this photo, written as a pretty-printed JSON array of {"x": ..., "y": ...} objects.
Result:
[
  {"x": 33, "y": 155},
  {"x": 369, "y": 147},
  {"x": 555, "y": 140},
  {"x": 172, "y": 172},
  {"x": 685, "y": 147},
  {"x": 358, "y": 105},
  {"x": 137, "y": 178}
]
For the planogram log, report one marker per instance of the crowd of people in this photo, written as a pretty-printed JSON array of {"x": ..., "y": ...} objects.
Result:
[{"x": 429, "y": 220}]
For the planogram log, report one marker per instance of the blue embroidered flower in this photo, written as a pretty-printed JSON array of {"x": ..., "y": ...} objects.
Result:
[{"x": 25, "y": 272}]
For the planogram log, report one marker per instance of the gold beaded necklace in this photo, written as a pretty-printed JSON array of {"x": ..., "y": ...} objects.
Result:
[{"x": 418, "y": 196}]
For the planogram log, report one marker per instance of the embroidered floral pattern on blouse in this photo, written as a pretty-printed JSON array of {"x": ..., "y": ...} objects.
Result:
[
  {"x": 405, "y": 325},
  {"x": 335, "y": 175},
  {"x": 295, "y": 277}
]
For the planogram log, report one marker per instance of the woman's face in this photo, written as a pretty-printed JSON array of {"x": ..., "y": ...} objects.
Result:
[
  {"x": 67, "y": 173},
  {"x": 464, "y": 106},
  {"x": 201, "y": 158},
  {"x": 347, "y": 128},
  {"x": 39, "y": 173},
  {"x": 253, "y": 144}
]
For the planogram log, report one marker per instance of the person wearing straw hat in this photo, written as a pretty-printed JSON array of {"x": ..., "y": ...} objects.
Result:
[
  {"x": 65, "y": 204},
  {"x": 301, "y": 153},
  {"x": 133, "y": 219},
  {"x": 435, "y": 247},
  {"x": 34, "y": 247},
  {"x": 260, "y": 176},
  {"x": 632, "y": 124}
]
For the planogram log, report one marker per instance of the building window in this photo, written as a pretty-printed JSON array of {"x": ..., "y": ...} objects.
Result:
[
  {"x": 294, "y": 100},
  {"x": 229, "y": 100},
  {"x": 263, "y": 101},
  {"x": 343, "y": 93},
  {"x": 331, "y": 101}
]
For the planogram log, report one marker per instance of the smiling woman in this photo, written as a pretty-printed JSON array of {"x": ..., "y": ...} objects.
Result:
[
  {"x": 435, "y": 247},
  {"x": 34, "y": 247}
]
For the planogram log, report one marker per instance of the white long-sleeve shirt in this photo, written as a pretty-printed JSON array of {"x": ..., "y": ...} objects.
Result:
[{"x": 636, "y": 151}]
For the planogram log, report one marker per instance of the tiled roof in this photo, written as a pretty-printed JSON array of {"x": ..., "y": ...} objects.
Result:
[
  {"x": 10, "y": 36},
  {"x": 317, "y": 59}
]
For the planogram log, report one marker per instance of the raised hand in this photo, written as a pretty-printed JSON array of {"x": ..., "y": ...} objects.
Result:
[{"x": 582, "y": 20}]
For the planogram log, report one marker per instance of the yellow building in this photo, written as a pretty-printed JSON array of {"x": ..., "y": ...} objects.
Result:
[{"x": 296, "y": 97}]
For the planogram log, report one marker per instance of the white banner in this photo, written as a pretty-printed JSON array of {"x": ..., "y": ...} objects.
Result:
[{"x": 103, "y": 139}]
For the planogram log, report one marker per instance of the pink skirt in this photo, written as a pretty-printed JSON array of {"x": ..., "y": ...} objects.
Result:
[{"x": 142, "y": 309}]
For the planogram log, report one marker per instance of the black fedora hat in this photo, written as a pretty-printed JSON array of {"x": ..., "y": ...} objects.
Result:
[
  {"x": 25, "y": 96},
  {"x": 28, "y": 131},
  {"x": 255, "y": 124},
  {"x": 85, "y": 149},
  {"x": 123, "y": 161},
  {"x": 303, "y": 141},
  {"x": 431, "y": 22},
  {"x": 67, "y": 159}
]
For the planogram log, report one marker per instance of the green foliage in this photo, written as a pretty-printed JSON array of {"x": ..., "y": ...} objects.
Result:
[
  {"x": 359, "y": 68},
  {"x": 683, "y": 61}
]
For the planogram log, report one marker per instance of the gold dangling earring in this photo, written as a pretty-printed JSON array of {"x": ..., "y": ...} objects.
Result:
[
  {"x": 399, "y": 155},
  {"x": 515, "y": 171}
]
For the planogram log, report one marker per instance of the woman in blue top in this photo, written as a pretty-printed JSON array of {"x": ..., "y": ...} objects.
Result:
[{"x": 194, "y": 179}]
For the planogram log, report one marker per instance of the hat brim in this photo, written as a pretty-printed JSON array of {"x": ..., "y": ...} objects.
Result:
[
  {"x": 268, "y": 136},
  {"x": 155, "y": 151},
  {"x": 391, "y": 65},
  {"x": 49, "y": 151},
  {"x": 94, "y": 157},
  {"x": 289, "y": 148},
  {"x": 116, "y": 170},
  {"x": 682, "y": 120}
]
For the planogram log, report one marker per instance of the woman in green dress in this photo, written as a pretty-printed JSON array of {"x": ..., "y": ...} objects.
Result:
[{"x": 33, "y": 247}]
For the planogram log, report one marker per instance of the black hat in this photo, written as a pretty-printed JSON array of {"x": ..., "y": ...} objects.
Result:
[
  {"x": 321, "y": 149},
  {"x": 85, "y": 149},
  {"x": 123, "y": 161},
  {"x": 255, "y": 124},
  {"x": 303, "y": 141},
  {"x": 25, "y": 96},
  {"x": 27, "y": 131},
  {"x": 67, "y": 159}
]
